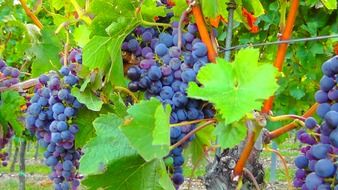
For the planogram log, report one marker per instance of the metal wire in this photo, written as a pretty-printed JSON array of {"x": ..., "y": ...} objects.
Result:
[{"x": 291, "y": 41}]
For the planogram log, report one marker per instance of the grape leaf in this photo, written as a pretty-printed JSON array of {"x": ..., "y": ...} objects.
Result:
[
  {"x": 213, "y": 8},
  {"x": 203, "y": 139},
  {"x": 161, "y": 134},
  {"x": 81, "y": 35},
  {"x": 131, "y": 172},
  {"x": 87, "y": 98},
  {"x": 10, "y": 112},
  {"x": 330, "y": 4},
  {"x": 46, "y": 53},
  {"x": 149, "y": 10},
  {"x": 109, "y": 11},
  {"x": 237, "y": 88},
  {"x": 180, "y": 6},
  {"x": 95, "y": 53},
  {"x": 84, "y": 119},
  {"x": 254, "y": 5},
  {"x": 108, "y": 145},
  {"x": 230, "y": 135},
  {"x": 140, "y": 126},
  {"x": 119, "y": 107}
]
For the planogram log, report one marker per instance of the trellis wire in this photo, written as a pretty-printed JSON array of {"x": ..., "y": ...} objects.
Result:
[{"x": 291, "y": 41}]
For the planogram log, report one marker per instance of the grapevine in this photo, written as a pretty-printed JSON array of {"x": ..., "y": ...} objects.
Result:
[{"x": 169, "y": 94}]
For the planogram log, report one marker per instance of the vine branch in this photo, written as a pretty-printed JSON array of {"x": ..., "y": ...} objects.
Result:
[
  {"x": 286, "y": 128},
  {"x": 29, "y": 13},
  {"x": 22, "y": 85},
  {"x": 203, "y": 31},
  {"x": 186, "y": 137},
  {"x": 281, "y": 52}
]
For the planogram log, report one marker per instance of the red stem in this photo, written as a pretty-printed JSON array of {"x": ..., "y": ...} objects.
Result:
[
  {"x": 286, "y": 128},
  {"x": 203, "y": 31},
  {"x": 282, "y": 48},
  {"x": 250, "y": 142}
]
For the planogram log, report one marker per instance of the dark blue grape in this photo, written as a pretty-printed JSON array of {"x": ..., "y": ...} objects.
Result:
[
  {"x": 326, "y": 83},
  {"x": 310, "y": 123},
  {"x": 301, "y": 162},
  {"x": 331, "y": 118},
  {"x": 325, "y": 168},
  {"x": 321, "y": 97}
]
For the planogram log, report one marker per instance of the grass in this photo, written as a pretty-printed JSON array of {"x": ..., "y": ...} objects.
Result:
[
  {"x": 30, "y": 169},
  {"x": 30, "y": 185}
]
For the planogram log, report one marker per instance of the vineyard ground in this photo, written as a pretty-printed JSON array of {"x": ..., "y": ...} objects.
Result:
[{"x": 37, "y": 172}]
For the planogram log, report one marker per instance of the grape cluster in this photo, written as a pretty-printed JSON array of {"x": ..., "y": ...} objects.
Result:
[
  {"x": 317, "y": 165},
  {"x": 3, "y": 142},
  {"x": 74, "y": 56},
  {"x": 164, "y": 72},
  {"x": 8, "y": 75},
  {"x": 50, "y": 117}
]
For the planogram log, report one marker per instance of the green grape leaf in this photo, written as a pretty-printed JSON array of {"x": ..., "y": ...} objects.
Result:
[
  {"x": 180, "y": 6},
  {"x": 108, "y": 145},
  {"x": 330, "y": 4},
  {"x": 10, "y": 112},
  {"x": 81, "y": 35},
  {"x": 46, "y": 53},
  {"x": 115, "y": 73},
  {"x": 95, "y": 53},
  {"x": 149, "y": 10},
  {"x": 84, "y": 119},
  {"x": 119, "y": 107},
  {"x": 254, "y": 5},
  {"x": 203, "y": 139},
  {"x": 108, "y": 12},
  {"x": 230, "y": 135},
  {"x": 161, "y": 134},
  {"x": 213, "y": 8},
  {"x": 88, "y": 98},
  {"x": 131, "y": 172},
  {"x": 235, "y": 88},
  {"x": 140, "y": 126}
]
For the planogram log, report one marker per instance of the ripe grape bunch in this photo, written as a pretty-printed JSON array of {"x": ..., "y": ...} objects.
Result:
[
  {"x": 164, "y": 72},
  {"x": 317, "y": 165},
  {"x": 3, "y": 142},
  {"x": 8, "y": 75},
  {"x": 50, "y": 117}
]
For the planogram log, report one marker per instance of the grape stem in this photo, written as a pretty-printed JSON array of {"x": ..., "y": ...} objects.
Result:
[
  {"x": 286, "y": 117},
  {"x": 80, "y": 12},
  {"x": 284, "y": 164},
  {"x": 30, "y": 14},
  {"x": 181, "y": 124},
  {"x": 22, "y": 85},
  {"x": 180, "y": 23},
  {"x": 286, "y": 128},
  {"x": 65, "y": 56},
  {"x": 186, "y": 137},
  {"x": 252, "y": 177},
  {"x": 127, "y": 91}
]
